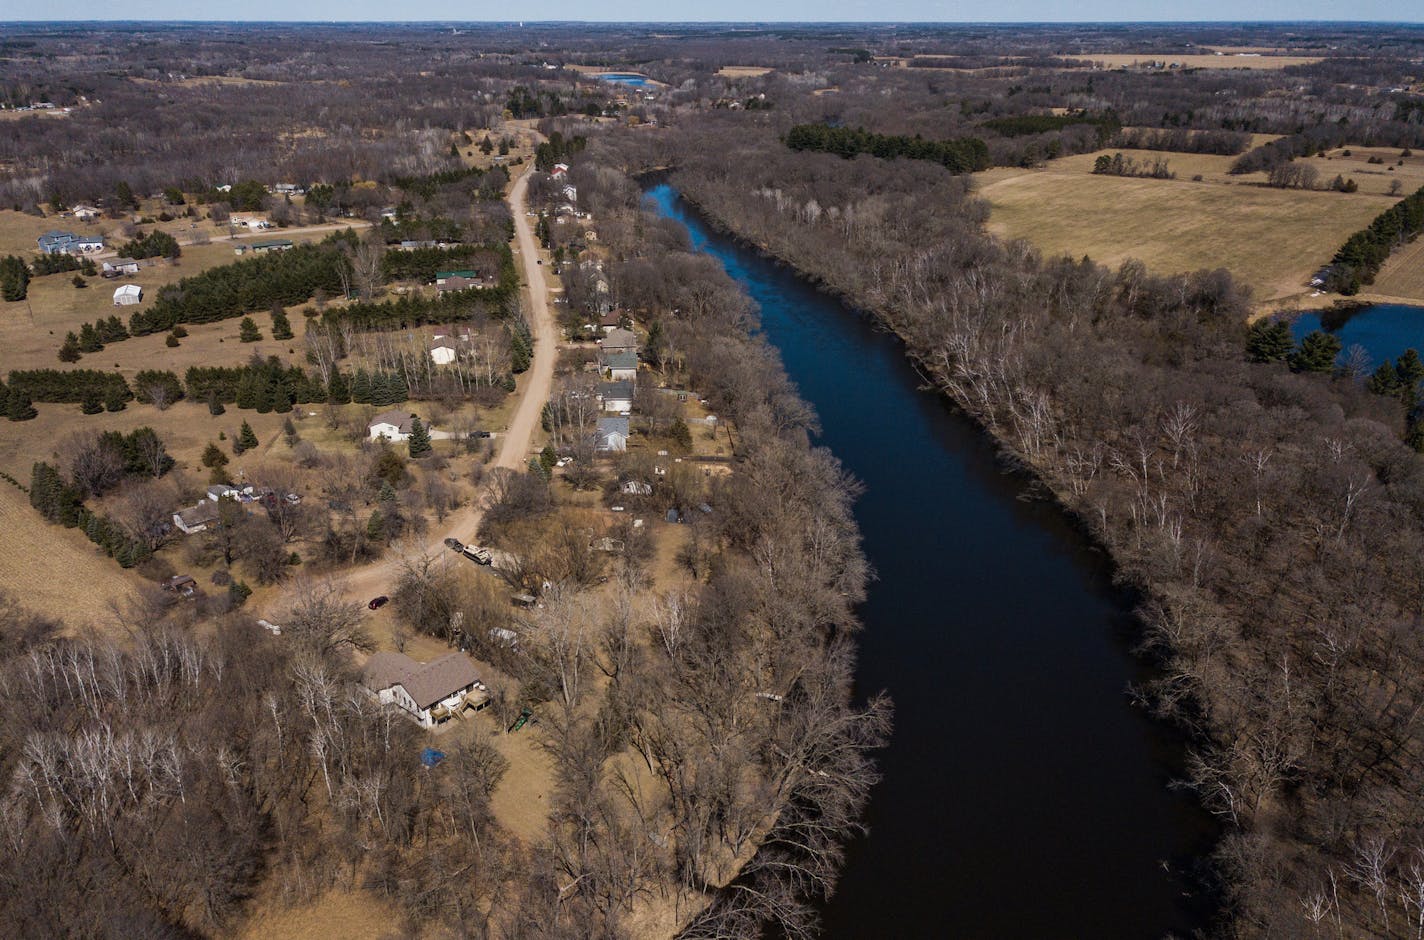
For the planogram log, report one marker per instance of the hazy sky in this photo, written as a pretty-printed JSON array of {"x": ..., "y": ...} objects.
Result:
[{"x": 727, "y": 10}]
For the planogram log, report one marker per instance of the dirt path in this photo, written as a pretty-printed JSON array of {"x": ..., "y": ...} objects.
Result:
[{"x": 514, "y": 445}]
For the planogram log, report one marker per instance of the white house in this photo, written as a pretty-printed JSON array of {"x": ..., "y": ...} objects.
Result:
[
  {"x": 431, "y": 693},
  {"x": 620, "y": 366},
  {"x": 88, "y": 244},
  {"x": 571, "y": 193},
  {"x": 196, "y": 518},
  {"x": 559, "y": 171},
  {"x": 443, "y": 350},
  {"x": 127, "y": 294},
  {"x": 86, "y": 213},
  {"x": 611, "y": 435},
  {"x": 392, "y": 425},
  {"x": 116, "y": 266},
  {"x": 616, "y": 397},
  {"x": 222, "y": 491}
]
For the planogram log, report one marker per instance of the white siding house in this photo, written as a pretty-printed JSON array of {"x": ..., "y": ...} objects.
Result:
[
  {"x": 611, "y": 435},
  {"x": 392, "y": 425}
]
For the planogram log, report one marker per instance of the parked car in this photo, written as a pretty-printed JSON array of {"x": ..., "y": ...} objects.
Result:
[
  {"x": 378, "y": 602},
  {"x": 479, "y": 555},
  {"x": 483, "y": 434},
  {"x": 455, "y": 544}
]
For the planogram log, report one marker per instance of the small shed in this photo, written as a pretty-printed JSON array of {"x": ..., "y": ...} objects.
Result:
[{"x": 126, "y": 295}]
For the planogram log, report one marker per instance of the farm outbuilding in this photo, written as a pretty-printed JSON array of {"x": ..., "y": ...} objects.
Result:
[{"x": 127, "y": 294}]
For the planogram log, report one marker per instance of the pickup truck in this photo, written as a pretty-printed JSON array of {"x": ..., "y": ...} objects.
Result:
[{"x": 479, "y": 555}]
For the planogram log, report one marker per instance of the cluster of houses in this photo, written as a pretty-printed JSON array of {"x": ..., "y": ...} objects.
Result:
[
  {"x": 198, "y": 518},
  {"x": 67, "y": 243},
  {"x": 431, "y": 693},
  {"x": 618, "y": 370}
]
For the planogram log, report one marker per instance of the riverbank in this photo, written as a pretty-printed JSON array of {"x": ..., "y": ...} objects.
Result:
[{"x": 999, "y": 648}]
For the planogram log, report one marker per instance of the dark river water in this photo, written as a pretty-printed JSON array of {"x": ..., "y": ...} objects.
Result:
[{"x": 1022, "y": 795}]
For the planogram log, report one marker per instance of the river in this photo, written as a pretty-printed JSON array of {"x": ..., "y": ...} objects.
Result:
[{"x": 1022, "y": 795}]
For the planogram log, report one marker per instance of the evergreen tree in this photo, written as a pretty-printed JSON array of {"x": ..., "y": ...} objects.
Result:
[
  {"x": 680, "y": 433},
  {"x": 170, "y": 341},
  {"x": 548, "y": 457},
  {"x": 281, "y": 326},
  {"x": 1410, "y": 369},
  {"x": 282, "y": 399},
  {"x": 215, "y": 405},
  {"x": 361, "y": 388},
  {"x": 113, "y": 331},
  {"x": 376, "y": 527},
  {"x": 213, "y": 456},
  {"x": 18, "y": 406},
  {"x": 89, "y": 339},
  {"x": 246, "y": 438},
  {"x": 487, "y": 146},
  {"x": 114, "y": 398},
  {"x": 1269, "y": 341},
  {"x": 247, "y": 390},
  {"x": 14, "y": 278},
  {"x": 69, "y": 351},
  {"x": 419, "y": 439},
  {"x": 262, "y": 401},
  {"x": 238, "y": 592},
  {"x": 1317, "y": 353},
  {"x": 92, "y": 403},
  {"x": 247, "y": 331},
  {"x": 387, "y": 492},
  {"x": 79, "y": 282},
  {"x": 338, "y": 391}
]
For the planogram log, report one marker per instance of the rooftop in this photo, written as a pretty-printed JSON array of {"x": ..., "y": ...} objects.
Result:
[{"x": 426, "y": 683}]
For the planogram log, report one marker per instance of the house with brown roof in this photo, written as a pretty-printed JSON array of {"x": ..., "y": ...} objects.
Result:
[
  {"x": 431, "y": 693},
  {"x": 196, "y": 518}
]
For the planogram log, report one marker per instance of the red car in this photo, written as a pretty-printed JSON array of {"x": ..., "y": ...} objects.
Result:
[{"x": 378, "y": 602}]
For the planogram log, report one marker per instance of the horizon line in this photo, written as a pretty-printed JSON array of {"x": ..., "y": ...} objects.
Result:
[{"x": 527, "y": 22}]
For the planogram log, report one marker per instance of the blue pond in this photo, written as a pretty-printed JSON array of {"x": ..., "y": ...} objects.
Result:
[
  {"x": 1382, "y": 330},
  {"x": 623, "y": 78}
]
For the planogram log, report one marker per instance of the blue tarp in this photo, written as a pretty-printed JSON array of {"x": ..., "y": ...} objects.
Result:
[{"x": 430, "y": 756}]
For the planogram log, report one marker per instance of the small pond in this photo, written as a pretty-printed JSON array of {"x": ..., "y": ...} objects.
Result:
[
  {"x": 1382, "y": 330},
  {"x": 625, "y": 78}
]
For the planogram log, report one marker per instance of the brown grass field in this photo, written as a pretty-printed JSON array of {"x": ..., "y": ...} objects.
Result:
[
  {"x": 742, "y": 71},
  {"x": 1372, "y": 177},
  {"x": 1272, "y": 239},
  {"x": 1402, "y": 277},
  {"x": 1130, "y": 60},
  {"x": 53, "y": 570}
]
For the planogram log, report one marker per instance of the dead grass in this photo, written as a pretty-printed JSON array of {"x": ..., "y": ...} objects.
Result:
[
  {"x": 1402, "y": 276},
  {"x": 1247, "y": 61},
  {"x": 53, "y": 570},
  {"x": 743, "y": 71},
  {"x": 1372, "y": 177},
  {"x": 1272, "y": 239},
  {"x": 349, "y": 915}
]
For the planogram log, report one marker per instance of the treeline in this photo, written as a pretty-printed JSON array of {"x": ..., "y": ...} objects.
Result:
[
  {"x": 287, "y": 278},
  {"x": 491, "y": 181},
  {"x": 92, "y": 337},
  {"x": 1358, "y": 260},
  {"x": 1183, "y": 140},
  {"x": 61, "y": 262},
  {"x": 71, "y": 386},
  {"x": 156, "y": 244},
  {"x": 422, "y": 264},
  {"x": 1119, "y": 165},
  {"x": 108, "y": 459},
  {"x": 1022, "y": 125},
  {"x": 964, "y": 155},
  {"x": 410, "y": 310},
  {"x": 557, "y": 149}
]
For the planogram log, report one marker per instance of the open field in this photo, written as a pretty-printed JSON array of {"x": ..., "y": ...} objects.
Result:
[
  {"x": 1402, "y": 276},
  {"x": 350, "y": 915},
  {"x": 53, "y": 570},
  {"x": 1272, "y": 239},
  {"x": 1371, "y": 177},
  {"x": 742, "y": 71},
  {"x": 1247, "y": 61}
]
